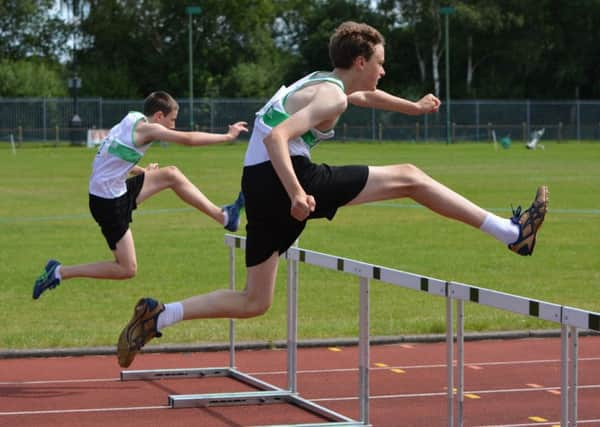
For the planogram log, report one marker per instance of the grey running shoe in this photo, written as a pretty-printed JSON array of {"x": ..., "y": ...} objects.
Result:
[
  {"x": 140, "y": 329},
  {"x": 529, "y": 222}
]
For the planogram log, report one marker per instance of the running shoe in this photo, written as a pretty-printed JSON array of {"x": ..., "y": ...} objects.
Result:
[
  {"x": 47, "y": 280},
  {"x": 529, "y": 222},
  {"x": 234, "y": 213},
  {"x": 140, "y": 329}
]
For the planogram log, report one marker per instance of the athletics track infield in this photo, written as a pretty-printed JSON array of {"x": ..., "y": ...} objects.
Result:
[{"x": 507, "y": 382}]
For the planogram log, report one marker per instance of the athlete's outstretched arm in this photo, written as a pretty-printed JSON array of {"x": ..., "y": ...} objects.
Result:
[
  {"x": 382, "y": 100},
  {"x": 146, "y": 132}
]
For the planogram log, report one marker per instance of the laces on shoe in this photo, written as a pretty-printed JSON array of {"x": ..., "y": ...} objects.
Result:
[
  {"x": 516, "y": 214},
  {"x": 47, "y": 281},
  {"x": 148, "y": 328}
]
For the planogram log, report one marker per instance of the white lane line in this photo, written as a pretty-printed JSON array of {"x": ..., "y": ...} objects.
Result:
[
  {"x": 85, "y": 410},
  {"x": 549, "y": 423},
  {"x": 73, "y": 381},
  {"x": 432, "y": 366},
  {"x": 443, "y": 393}
]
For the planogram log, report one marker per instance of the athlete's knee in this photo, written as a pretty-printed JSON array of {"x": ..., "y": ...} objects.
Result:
[
  {"x": 128, "y": 270},
  {"x": 261, "y": 308},
  {"x": 410, "y": 171},
  {"x": 172, "y": 174},
  {"x": 411, "y": 176},
  {"x": 256, "y": 306}
]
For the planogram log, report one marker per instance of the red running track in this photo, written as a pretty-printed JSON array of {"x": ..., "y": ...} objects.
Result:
[{"x": 507, "y": 383}]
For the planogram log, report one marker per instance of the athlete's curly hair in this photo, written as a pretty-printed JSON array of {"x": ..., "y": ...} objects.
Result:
[{"x": 351, "y": 40}]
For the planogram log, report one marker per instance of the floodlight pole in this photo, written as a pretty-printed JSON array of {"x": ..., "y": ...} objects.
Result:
[
  {"x": 446, "y": 11},
  {"x": 190, "y": 11}
]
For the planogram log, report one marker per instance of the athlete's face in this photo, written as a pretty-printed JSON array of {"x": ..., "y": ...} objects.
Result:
[
  {"x": 167, "y": 120},
  {"x": 372, "y": 70}
]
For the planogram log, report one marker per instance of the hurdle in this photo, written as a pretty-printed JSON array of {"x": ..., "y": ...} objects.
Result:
[{"x": 571, "y": 319}]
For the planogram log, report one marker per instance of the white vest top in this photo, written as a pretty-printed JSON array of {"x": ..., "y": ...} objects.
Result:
[
  {"x": 273, "y": 113},
  {"x": 116, "y": 156}
]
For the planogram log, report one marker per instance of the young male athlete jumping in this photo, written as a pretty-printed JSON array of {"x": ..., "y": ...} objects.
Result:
[
  {"x": 283, "y": 188},
  {"x": 113, "y": 196}
]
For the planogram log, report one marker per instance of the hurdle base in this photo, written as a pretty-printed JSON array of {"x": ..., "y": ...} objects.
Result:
[
  {"x": 227, "y": 399},
  {"x": 262, "y": 398},
  {"x": 267, "y": 394},
  {"x": 161, "y": 374}
]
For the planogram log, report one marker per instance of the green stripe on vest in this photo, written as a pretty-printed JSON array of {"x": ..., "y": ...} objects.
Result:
[
  {"x": 124, "y": 152},
  {"x": 273, "y": 117}
]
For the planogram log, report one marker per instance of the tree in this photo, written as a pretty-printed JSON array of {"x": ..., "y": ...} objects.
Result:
[
  {"x": 568, "y": 48},
  {"x": 31, "y": 78},
  {"x": 481, "y": 28},
  {"x": 29, "y": 28},
  {"x": 32, "y": 43},
  {"x": 127, "y": 48},
  {"x": 421, "y": 19},
  {"x": 147, "y": 42}
]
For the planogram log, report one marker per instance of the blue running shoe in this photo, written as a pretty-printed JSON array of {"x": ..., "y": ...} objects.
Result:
[
  {"x": 233, "y": 211},
  {"x": 46, "y": 279}
]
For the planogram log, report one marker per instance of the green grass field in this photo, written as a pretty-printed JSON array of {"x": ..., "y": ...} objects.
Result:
[{"x": 44, "y": 214}]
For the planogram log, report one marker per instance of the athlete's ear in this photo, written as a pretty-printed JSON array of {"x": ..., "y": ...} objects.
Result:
[
  {"x": 359, "y": 62},
  {"x": 158, "y": 116}
]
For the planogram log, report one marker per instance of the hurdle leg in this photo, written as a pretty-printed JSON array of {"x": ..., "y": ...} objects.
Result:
[
  {"x": 573, "y": 376},
  {"x": 564, "y": 377},
  {"x": 292, "y": 323},
  {"x": 460, "y": 362},
  {"x": 569, "y": 379},
  {"x": 363, "y": 345},
  {"x": 450, "y": 360},
  {"x": 231, "y": 321}
]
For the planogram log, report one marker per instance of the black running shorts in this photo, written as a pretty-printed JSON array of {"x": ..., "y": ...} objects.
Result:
[
  {"x": 114, "y": 215},
  {"x": 270, "y": 225}
]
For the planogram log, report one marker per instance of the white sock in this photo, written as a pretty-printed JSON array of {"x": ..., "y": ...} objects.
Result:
[
  {"x": 57, "y": 272},
  {"x": 173, "y": 313},
  {"x": 502, "y": 229},
  {"x": 225, "y": 217}
]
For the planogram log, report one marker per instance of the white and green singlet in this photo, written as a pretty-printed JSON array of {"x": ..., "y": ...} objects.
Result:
[
  {"x": 117, "y": 155},
  {"x": 273, "y": 113}
]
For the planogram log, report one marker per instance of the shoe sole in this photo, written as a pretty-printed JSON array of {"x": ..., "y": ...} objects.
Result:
[
  {"x": 541, "y": 201},
  {"x": 543, "y": 209}
]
